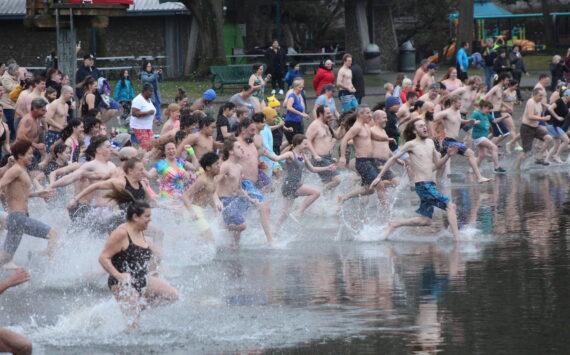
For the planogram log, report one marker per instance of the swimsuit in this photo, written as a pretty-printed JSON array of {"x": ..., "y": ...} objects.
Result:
[
  {"x": 446, "y": 143},
  {"x": 430, "y": 197},
  {"x": 75, "y": 150},
  {"x": 51, "y": 138},
  {"x": 135, "y": 261},
  {"x": 293, "y": 177},
  {"x": 367, "y": 169},
  {"x": 326, "y": 160},
  {"x": 174, "y": 180}
]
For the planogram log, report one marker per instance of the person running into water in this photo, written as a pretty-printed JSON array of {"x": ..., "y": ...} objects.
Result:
[
  {"x": 424, "y": 159},
  {"x": 230, "y": 197},
  {"x": 530, "y": 129},
  {"x": 176, "y": 175},
  {"x": 15, "y": 185},
  {"x": 480, "y": 131},
  {"x": 201, "y": 195},
  {"x": 321, "y": 140},
  {"x": 452, "y": 121},
  {"x": 132, "y": 260},
  {"x": 293, "y": 186}
]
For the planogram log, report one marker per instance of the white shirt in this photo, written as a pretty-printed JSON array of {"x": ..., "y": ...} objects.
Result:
[{"x": 144, "y": 122}]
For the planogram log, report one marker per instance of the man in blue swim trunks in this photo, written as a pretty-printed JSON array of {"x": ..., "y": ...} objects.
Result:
[
  {"x": 344, "y": 82},
  {"x": 424, "y": 160},
  {"x": 230, "y": 197},
  {"x": 252, "y": 180},
  {"x": 452, "y": 121}
]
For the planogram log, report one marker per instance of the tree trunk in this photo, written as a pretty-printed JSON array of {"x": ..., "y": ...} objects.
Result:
[
  {"x": 209, "y": 17},
  {"x": 353, "y": 41},
  {"x": 385, "y": 35},
  {"x": 465, "y": 28},
  {"x": 548, "y": 39}
]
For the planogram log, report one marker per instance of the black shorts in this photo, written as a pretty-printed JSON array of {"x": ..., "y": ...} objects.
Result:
[
  {"x": 367, "y": 169},
  {"x": 297, "y": 129}
]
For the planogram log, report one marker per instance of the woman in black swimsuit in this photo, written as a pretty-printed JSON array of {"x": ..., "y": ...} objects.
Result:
[{"x": 131, "y": 259}]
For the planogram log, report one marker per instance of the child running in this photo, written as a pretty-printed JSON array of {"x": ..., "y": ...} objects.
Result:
[{"x": 293, "y": 186}]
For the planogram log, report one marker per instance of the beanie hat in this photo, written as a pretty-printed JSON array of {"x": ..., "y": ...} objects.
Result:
[
  {"x": 391, "y": 101},
  {"x": 210, "y": 95},
  {"x": 269, "y": 113}
]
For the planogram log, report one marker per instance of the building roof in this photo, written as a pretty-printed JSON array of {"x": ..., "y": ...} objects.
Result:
[
  {"x": 16, "y": 9},
  {"x": 489, "y": 10}
]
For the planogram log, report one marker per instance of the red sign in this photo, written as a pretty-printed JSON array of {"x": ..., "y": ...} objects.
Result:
[{"x": 123, "y": 2}]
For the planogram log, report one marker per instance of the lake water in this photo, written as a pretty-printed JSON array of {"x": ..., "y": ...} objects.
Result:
[{"x": 330, "y": 285}]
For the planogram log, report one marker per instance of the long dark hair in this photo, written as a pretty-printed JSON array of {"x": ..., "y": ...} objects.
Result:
[
  {"x": 122, "y": 81},
  {"x": 68, "y": 130},
  {"x": 124, "y": 197}
]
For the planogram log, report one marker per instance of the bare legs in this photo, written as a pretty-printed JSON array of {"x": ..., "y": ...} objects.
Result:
[
  {"x": 488, "y": 146},
  {"x": 14, "y": 343},
  {"x": 423, "y": 221},
  {"x": 470, "y": 155},
  {"x": 312, "y": 195}
]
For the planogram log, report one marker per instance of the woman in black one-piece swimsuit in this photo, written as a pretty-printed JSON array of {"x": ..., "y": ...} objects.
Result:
[{"x": 128, "y": 257}]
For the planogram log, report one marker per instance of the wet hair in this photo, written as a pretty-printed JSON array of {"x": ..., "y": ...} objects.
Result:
[
  {"x": 206, "y": 121},
  {"x": 411, "y": 95},
  {"x": 58, "y": 149},
  {"x": 38, "y": 102},
  {"x": 130, "y": 164},
  {"x": 68, "y": 130},
  {"x": 20, "y": 147},
  {"x": 256, "y": 67},
  {"x": 123, "y": 197},
  {"x": 181, "y": 95},
  {"x": 96, "y": 142},
  {"x": 244, "y": 124},
  {"x": 258, "y": 117},
  {"x": 90, "y": 123},
  {"x": 298, "y": 139},
  {"x": 179, "y": 136},
  {"x": 208, "y": 159},
  {"x": 228, "y": 147},
  {"x": 408, "y": 133}
]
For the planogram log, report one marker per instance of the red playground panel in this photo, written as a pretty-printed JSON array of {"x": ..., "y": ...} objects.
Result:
[{"x": 122, "y": 2}]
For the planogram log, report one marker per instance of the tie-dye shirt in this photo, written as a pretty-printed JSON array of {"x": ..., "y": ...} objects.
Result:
[{"x": 173, "y": 180}]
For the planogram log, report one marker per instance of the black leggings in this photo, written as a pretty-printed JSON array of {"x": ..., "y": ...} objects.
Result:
[{"x": 297, "y": 128}]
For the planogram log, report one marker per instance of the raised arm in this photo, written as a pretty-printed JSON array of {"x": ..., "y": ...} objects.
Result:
[
  {"x": 63, "y": 171},
  {"x": 405, "y": 149},
  {"x": 78, "y": 174}
]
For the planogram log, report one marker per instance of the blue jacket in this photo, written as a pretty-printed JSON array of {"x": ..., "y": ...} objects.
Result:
[
  {"x": 291, "y": 76},
  {"x": 124, "y": 93},
  {"x": 463, "y": 59},
  {"x": 152, "y": 79}
]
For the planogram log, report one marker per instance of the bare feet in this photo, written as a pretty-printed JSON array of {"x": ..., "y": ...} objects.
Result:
[
  {"x": 557, "y": 159},
  {"x": 10, "y": 266},
  {"x": 508, "y": 148},
  {"x": 340, "y": 200},
  {"x": 484, "y": 179}
]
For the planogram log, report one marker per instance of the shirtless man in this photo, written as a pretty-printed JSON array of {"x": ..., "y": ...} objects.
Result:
[
  {"x": 404, "y": 113},
  {"x": 424, "y": 160},
  {"x": 321, "y": 140},
  {"x": 452, "y": 121},
  {"x": 37, "y": 87},
  {"x": 201, "y": 195},
  {"x": 229, "y": 196},
  {"x": 468, "y": 94},
  {"x": 428, "y": 78},
  {"x": 201, "y": 142},
  {"x": 365, "y": 165},
  {"x": 16, "y": 184},
  {"x": 531, "y": 130},
  {"x": 29, "y": 129},
  {"x": 380, "y": 153},
  {"x": 432, "y": 95},
  {"x": 56, "y": 116},
  {"x": 419, "y": 74},
  {"x": 91, "y": 207},
  {"x": 344, "y": 83},
  {"x": 250, "y": 163},
  {"x": 495, "y": 97}
]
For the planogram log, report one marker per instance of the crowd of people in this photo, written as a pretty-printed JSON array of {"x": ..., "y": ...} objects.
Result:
[{"x": 205, "y": 162}]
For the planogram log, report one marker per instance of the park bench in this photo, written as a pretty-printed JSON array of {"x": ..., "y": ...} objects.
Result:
[{"x": 234, "y": 75}]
